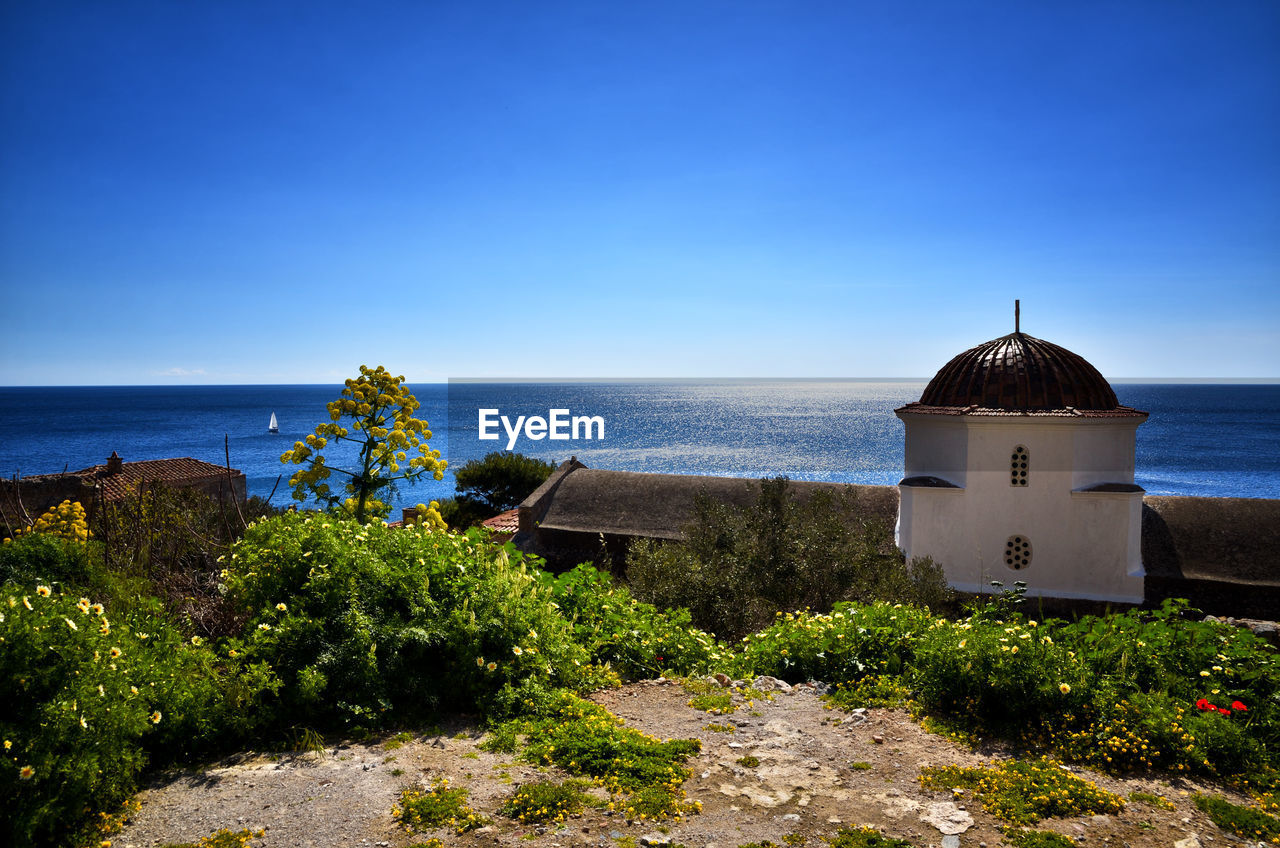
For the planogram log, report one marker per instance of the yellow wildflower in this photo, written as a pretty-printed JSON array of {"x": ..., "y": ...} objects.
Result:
[
  {"x": 155, "y": 717},
  {"x": 1064, "y": 688},
  {"x": 281, "y": 607},
  {"x": 26, "y": 772},
  {"x": 43, "y": 591}
]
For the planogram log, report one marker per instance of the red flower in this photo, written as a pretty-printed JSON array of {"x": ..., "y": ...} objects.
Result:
[
  {"x": 1236, "y": 705},
  {"x": 1203, "y": 704},
  {"x": 1224, "y": 711}
]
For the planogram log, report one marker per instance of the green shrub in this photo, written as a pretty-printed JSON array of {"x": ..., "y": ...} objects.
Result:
[
  {"x": 1025, "y": 791},
  {"x": 440, "y": 805},
  {"x": 635, "y": 638},
  {"x": 1120, "y": 692},
  {"x": 875, "y": 690},
  {"x": 1248, "y": 822},
  {"x": 849, "y": 643},
  {"x": 738, "y": 566},
  {"x": 365, "y": 622},
  {"x": 544, "y": 801},
  {"x": 44, "y": 558},
  {"x": 91, "y": 698}
]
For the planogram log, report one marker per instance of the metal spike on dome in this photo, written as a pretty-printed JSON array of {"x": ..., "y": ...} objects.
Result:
[{"x": 1017, "y": 316}]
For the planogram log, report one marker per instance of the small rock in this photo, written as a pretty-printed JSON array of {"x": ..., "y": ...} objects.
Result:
[
  {"x": 722, "y": 679},
  {"x": 950, "y": 841},
  {"x": 655, "y": 839},
  {"x": 791, "y": 817},
  {"x": 947, "y": 818},
  {"x": 812, "y": 765},
  {"x": 1192, "y": 841},
  {"x": 1100, "y": 820},
  {"x": 834, "y": 820},
  {"x": 878, "y": 739},
  {"x": 770, "y": 684}
]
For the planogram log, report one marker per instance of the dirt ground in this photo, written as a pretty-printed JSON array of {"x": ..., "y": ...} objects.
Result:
[{"x": 806, "y": 784}]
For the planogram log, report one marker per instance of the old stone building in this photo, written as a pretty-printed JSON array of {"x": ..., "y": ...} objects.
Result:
[{"x": 28, "y": 497}]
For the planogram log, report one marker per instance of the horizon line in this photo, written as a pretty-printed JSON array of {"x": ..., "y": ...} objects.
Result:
[{"x": 636, "y": 380}]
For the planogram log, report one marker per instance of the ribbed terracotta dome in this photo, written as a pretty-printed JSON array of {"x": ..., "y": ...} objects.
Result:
[{"x": 1019, "y": 372}]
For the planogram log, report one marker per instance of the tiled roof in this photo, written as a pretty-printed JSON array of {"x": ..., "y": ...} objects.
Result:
[
  {"x": 505, "y": 522},
  {"x": 175, "y": 472}
]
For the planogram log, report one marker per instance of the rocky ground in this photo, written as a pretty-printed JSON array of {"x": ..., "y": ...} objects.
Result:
[{"x": 818, "y": 770}]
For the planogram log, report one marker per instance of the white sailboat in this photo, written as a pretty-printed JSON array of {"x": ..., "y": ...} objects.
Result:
[{"x": 273, "y": 427}]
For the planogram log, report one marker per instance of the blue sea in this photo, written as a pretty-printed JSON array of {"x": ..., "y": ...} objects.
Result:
[{"x": 1201, "y": 439}]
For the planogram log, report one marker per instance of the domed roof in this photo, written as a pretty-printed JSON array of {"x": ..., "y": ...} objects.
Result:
[{"x": 1018, "y": 372}]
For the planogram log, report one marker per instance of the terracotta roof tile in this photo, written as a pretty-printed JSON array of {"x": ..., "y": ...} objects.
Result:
[
  {"x": 505, "y": 522},
  {"x": 183, "y": 471}
]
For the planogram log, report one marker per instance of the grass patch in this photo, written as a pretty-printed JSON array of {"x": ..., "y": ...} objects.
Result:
[
  {"x": 586, "y": 739},
  {"x": 221, "y": 839},
  {"x": 865, "y": 837},
  {"x": 398, "y": 740},
  {"x": 1025, "y": 791},
  {"x": 503, "y": 738},
  {"x": 438, "y": 806},
  {"x": 749, "y": 761},
  {"x": 1020, "y": 838},
  {"x": 721, "y": 728},
  {"x": 860, "y": 766},
  {"x": 1157, "y": 801},
  {"x": 709, "y": 697},
  {"x": 1247, "y": 822}
]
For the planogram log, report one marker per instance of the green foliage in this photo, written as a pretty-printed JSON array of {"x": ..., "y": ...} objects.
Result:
[
  {"x": 1151, "y": 800},
  {"x": 364, "y": 622},
  {"x": 91, "y": 698},
  {"x": 440, "y": 805},
  {"x": 738, "y": 566},
  {"x": 164, "y": 541},
  {"x": 1025, "y": 791},
  {"x": 865, "y": 837},
  {"x": 544, "y": 801},
  {"x": 44, "y": 558},
  {"x": 1248, "y": 822},
  {"x": 849, "y": 643},
  {"x": 635, "y": 638},
  {"x": 1119, "y": 692},
  {"x": 1022, "y": 838},
  {"x": 875, "y": 690},
  {"x": 460, "y": 514},
  {"x": 222, "y": 839},
  {"x": 749, "y": 761},
  {"x": 585, "y": 739},
  {"x": 501, "y": 480},
  {"x": 644, "y": 773},
  {"x": 379, "y": 411}
]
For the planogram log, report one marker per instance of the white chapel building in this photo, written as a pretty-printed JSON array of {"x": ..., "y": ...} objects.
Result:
[{"x": 1019, "y": 466}]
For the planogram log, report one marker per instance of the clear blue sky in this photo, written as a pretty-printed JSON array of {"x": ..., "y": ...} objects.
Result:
[{"x": 231, "y": 192}]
